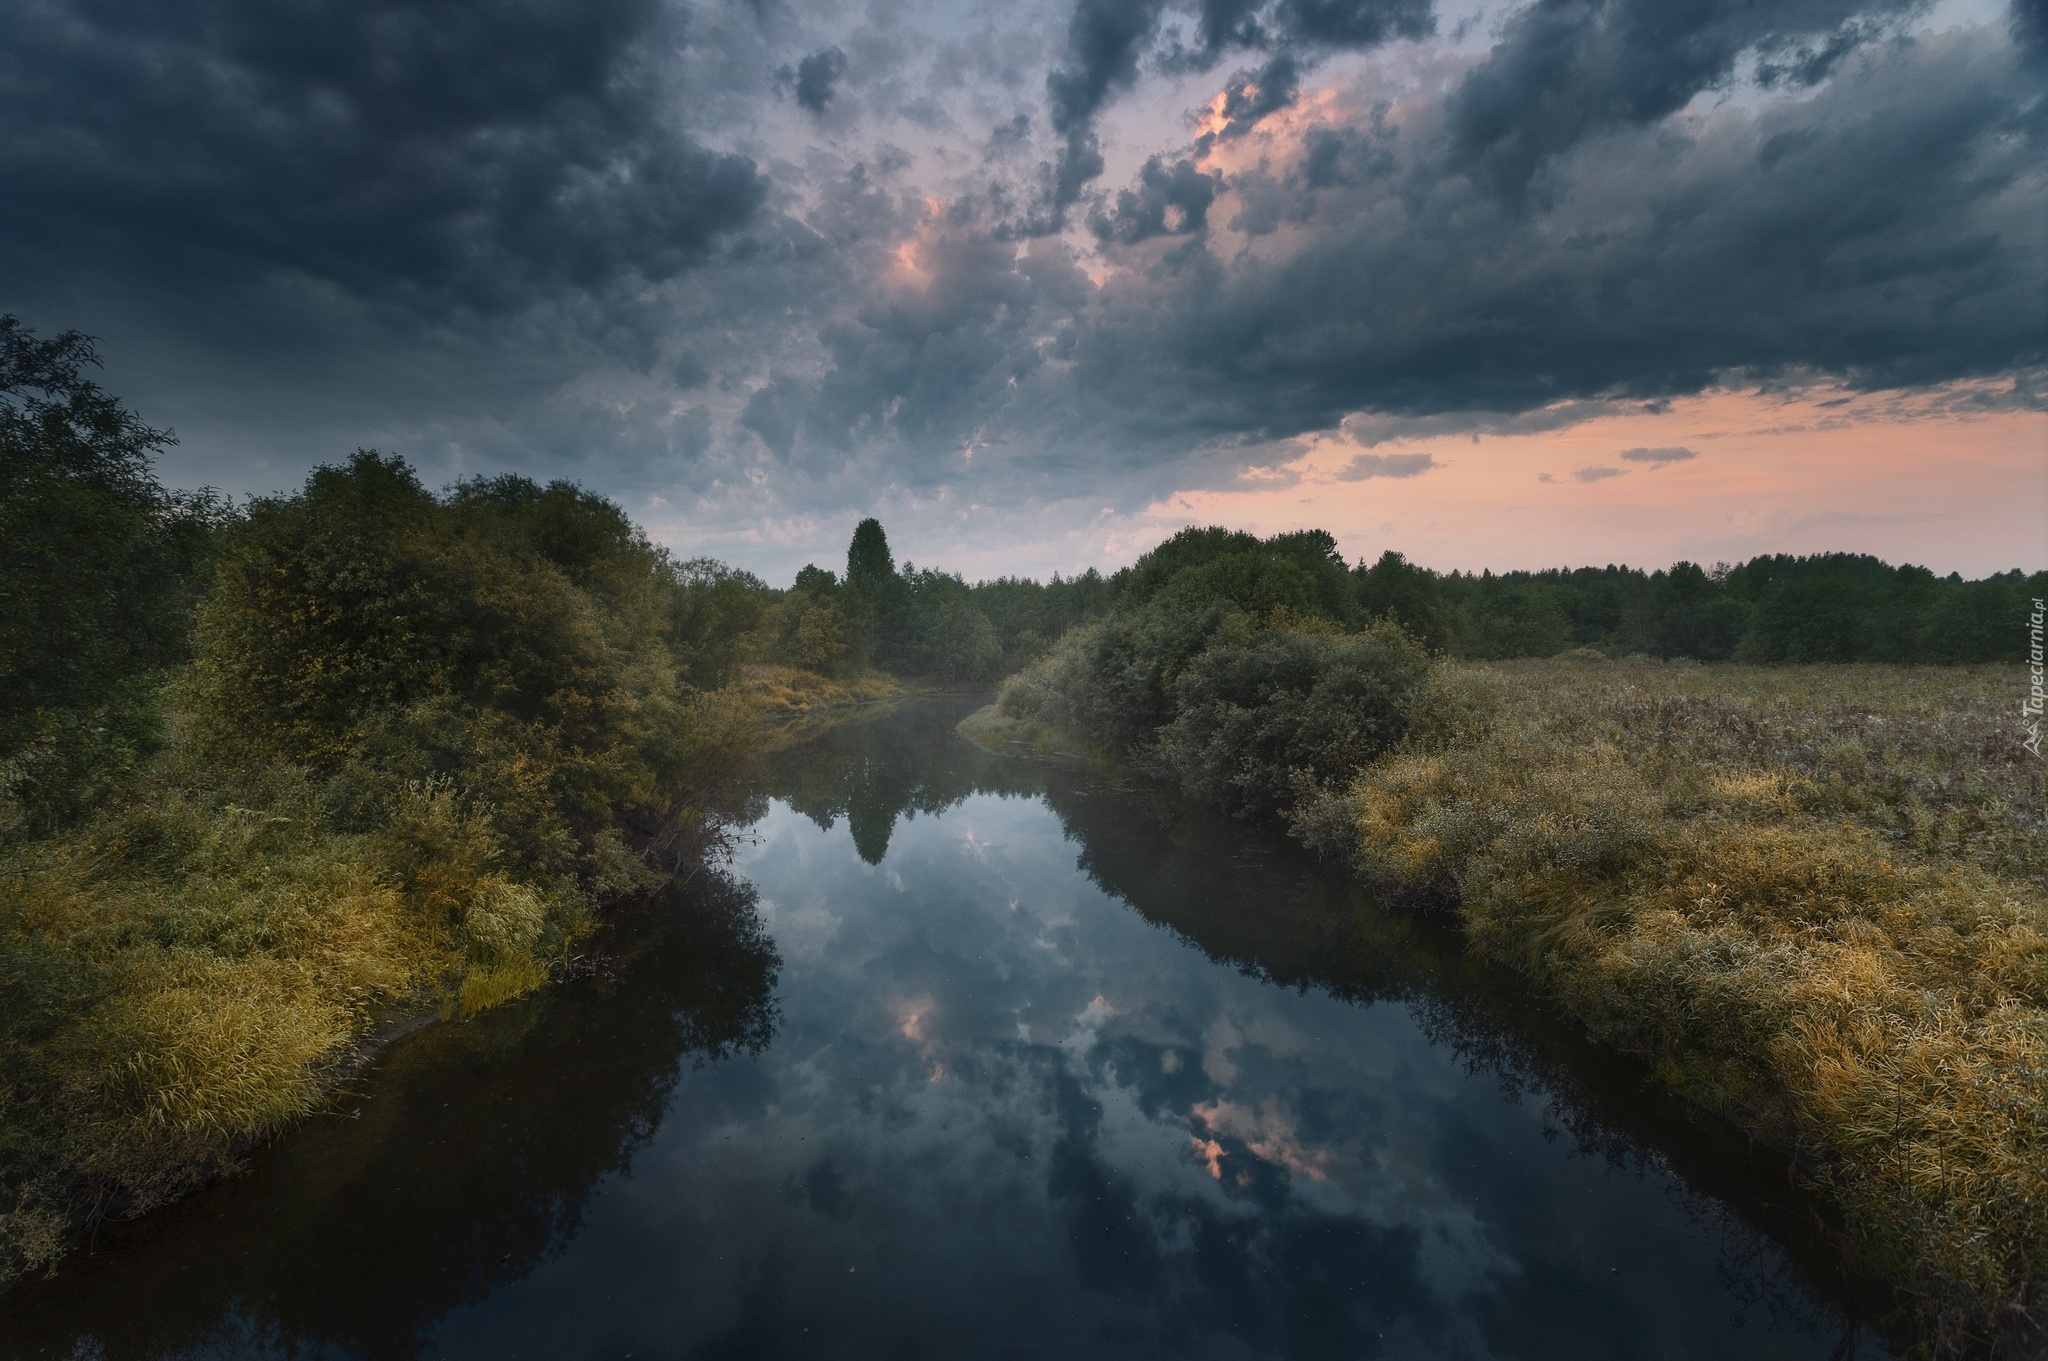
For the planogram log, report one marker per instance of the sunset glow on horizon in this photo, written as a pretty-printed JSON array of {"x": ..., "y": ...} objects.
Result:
[{"x": 1757, "y": 474}]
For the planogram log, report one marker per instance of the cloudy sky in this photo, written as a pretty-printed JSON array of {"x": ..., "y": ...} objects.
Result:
[{"x": 1498, "y": 284}]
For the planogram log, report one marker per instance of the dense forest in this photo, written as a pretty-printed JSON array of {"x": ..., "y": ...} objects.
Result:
[{"x": 1829, "y": 607}]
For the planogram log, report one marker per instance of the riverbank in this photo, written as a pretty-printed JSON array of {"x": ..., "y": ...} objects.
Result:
[
  {"x": 1007, "y": 735},
  {"x": 1815, "y": 899},
  {"x": 422, "y": 740}
]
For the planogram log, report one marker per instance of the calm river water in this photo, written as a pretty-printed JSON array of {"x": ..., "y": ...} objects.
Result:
[{"x": 982, "y": 1057}]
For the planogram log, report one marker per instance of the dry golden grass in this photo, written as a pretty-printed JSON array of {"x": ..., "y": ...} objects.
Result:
[
  {"x": 190, "y": 971},
  {"x": 186, "y": 972},
  {"x": 1813, "y": 897},
  {"x": 192, "y": 968},
  {"x": 779, "y": 691}
]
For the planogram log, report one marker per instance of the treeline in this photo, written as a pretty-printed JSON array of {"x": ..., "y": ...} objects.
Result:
[
  {"x": 1832, "y": 607},
  {"x": 919, "y": 622},
  {"x": 270, "y": 776}
]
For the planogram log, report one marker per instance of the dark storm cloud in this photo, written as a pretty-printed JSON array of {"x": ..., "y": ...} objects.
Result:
[
  {"x": 486, "y": 236},
  {"x": 1884, "y": 230},
  {"x": 1104, "y": 41},
  {"x": 918, "y": 368},
  {"x": 817, "y": 78},
  {"x": 1351, "y": 23},
  {"x": 773, "y": 414},
  {"x": 1881, "y": 230},
  {"x": 1170, "y": 200},
  {"x": 1365, "y": 466},
  {"x": 2030, "y": 29},
  {"x": 465, "y": 154},
  {"x": 1568, "y": 68},
  {"x": 1251, "y": 95},
  {"x": 1107, "y": 38}
]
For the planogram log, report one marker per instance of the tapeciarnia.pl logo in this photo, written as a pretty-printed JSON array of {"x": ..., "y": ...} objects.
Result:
[{"x": 2030, "y": 707}]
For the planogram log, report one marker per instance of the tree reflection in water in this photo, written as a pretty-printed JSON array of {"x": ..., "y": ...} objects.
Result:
[
  {"x": 473, "y": 1158},
  {"x": 1248, "y": 898}
]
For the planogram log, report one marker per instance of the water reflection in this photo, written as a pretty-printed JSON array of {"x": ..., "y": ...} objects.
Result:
[
  {"x": 467, "y": 1159},
  {"x": 1059, "y": 1067},
  {"x": 1358, "y": 1203}
]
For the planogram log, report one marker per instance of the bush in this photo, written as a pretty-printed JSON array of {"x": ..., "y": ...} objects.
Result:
[
  {"x": 1231, "y": 664},
  {"x": 1112, "y": 682},
  {"x": 1255, "y": 721}
]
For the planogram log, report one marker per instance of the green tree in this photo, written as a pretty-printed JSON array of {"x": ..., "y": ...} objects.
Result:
[
  {"x": 809, "y": 628},
  {"x": 99, "y": 568},
  {"x": 525, "y": 645},
  {"x": 874, "y": 594},
  {"x": 1397, "y": 589},
  {"x": 869, "y": 563},
  {"x": 943, "y": 634}
]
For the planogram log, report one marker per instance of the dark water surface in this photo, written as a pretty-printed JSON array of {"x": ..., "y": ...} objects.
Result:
[{"x": 987, "y": 1058}]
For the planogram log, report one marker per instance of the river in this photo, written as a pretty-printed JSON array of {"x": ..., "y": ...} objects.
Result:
[{"x": 974, "y": 1056}]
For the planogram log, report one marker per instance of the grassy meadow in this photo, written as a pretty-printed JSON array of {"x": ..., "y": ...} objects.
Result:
[{"x": 1814, "y": 898}]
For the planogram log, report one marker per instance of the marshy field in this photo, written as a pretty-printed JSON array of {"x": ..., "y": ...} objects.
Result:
[{"x": 1814, "y": 898}]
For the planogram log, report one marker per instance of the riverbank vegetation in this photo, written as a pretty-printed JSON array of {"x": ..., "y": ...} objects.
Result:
[
  {"x": 1814, "y": 899},
  {"x": 276, "y": 776}
]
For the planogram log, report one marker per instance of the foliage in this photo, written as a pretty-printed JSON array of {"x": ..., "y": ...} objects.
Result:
[
  {"x": 1302, "y": 571},
  {"x": 940, "y": 633},
  {"x": 920, "y": 623},
  {"x": 1029, "y": 616},
  {"x": 99, "y": 567},
  {"x": 1256, "y": 718},
  {"x": 780, "y": 691},
  {"x": 1832, "y": 607},
  {"x": 809, "y": 628},
  {"x": 874, "y": 592},
  {"x": 712, "y": 608},
  {"x": 1394, "y": 588},
  {"x": 423, "y": 738},
  {"x": 1229, "y": 663}
]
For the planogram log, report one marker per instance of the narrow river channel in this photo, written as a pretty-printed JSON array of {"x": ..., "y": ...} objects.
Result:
[{"x": 988, "y": 1057}]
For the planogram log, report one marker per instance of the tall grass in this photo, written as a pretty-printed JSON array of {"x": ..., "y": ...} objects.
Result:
[{"x": 1816, "y": 899}]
